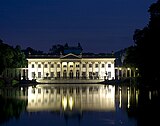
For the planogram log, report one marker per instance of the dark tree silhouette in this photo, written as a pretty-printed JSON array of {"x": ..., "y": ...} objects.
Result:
[
  {"x": 57, "y": 49},
  {"x": 147, "y": 47},
  {"x": 11, "y": 57}
]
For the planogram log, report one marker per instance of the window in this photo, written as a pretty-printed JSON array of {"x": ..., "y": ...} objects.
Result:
[
  {"x": 39, "y": 65},
  {"x": 45, "y": 65},
  {"x": 32, "y": 65},
  {"x": 77, "y": 65},
  {"x": 109, "y": 74},
  {"x": 96, "y": 65},
  {"x": 39, "y": 74},
  {"x": 71, "y": 65},
  {"x": 109, "y": 65},
  {"x": 90, "y": 65},
  {"x": 52, "y": 74},
  {"x": 90, "y": 75},
  {"x": 33, "y": 75},
  {"x": 58, "y": 74},
  {"x": 84, "y": 65},
  {"x": 102, "y": 65},
  {"x": 64, "y": 65},
  {"x": 52, "y": 65},
  {"x": 84, "y": 75},
  {"x": 96, "y": 74},
  {"x": 58, "y": 65}
]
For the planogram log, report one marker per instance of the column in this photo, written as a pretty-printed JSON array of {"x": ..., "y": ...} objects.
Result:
[
  {"x": 130, "y": 72},
  {"x": 42, "y": 69},
  {"x": 118, "y": 73},
  {"x": 86, "y": 70},
  {"x": 93, "y": 71},
  {"x": 105, "y": 65},
  {"x": 122, "y": 72},
  {"x": 99, "y": 65},
  {"x": 67, "y": 69},
  {"x": 74, "y": 69},
  {"x": 61, "y": 73},
  {"x": 134, "y": 73},
  {"x": 55, "y": 74},
  {"x": 80, "y": 69},
  {"x": 36, "y": 69},
  {"x": 126, "y": 72},
  {"x": 49, "y": 68}
]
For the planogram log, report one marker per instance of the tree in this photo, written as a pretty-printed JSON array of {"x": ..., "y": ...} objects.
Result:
[
  {"x": 57, "y": 49},
  {"x": 147, "y": 46},
  {"x": 11, "y": 57}
]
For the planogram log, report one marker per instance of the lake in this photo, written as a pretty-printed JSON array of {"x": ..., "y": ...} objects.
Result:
[{"x": 79, "y": 105}]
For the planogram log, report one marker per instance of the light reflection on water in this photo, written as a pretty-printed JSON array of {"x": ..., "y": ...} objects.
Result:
[
  {"x": 71, "y": 98},
  {"x": 63, "y": 104}
]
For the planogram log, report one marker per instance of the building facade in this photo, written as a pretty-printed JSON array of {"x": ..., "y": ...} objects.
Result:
[{"x": 71, "y": 66}]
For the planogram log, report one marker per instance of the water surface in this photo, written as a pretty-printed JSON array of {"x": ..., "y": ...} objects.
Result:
[{"x": 78, "y": 105}]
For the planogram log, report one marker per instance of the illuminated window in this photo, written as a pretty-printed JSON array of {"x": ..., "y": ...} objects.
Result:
[
  {"x": 52, "y": 74},
  {"x": 39, "y": 74},
  {"x": 96, "y": 74},
  {"x": 109, "y": 74},
  {"x": 33, "y": 74}
]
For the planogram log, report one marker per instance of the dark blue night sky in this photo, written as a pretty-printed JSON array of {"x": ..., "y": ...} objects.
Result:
[{"x": 99, "y": 25}]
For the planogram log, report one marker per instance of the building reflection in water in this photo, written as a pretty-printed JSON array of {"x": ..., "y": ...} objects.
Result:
[{"x": 71, "y": 98}]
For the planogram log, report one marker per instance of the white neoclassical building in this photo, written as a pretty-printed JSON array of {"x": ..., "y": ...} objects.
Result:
[{"x": 70, "y": 66}]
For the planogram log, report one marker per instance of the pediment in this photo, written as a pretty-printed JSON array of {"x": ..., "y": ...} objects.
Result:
[{"x": 71, "y": 56}]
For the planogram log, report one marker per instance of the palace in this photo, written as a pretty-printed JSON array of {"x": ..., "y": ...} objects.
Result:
[{"x": 71, "y": 64}]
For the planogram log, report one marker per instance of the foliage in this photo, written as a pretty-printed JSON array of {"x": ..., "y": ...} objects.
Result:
[
  {"x": 130, "y": 57},
  {"x": 15, "y": 82},
  {"x": 57, "y": 49},
  {"x": 145, "y": 53},
  {"x": 11, "y": 57},
  {"x": 31, "y": 51},
  {"x": 2, "y": 82}
]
